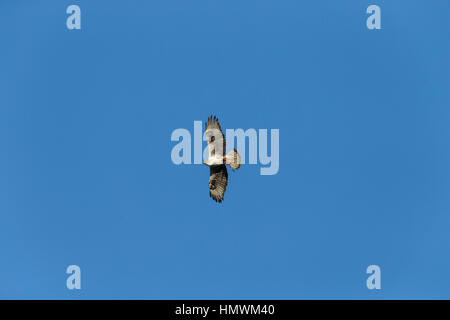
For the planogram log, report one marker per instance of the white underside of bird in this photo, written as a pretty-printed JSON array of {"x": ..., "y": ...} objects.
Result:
[{"x": 215, "y": 161}]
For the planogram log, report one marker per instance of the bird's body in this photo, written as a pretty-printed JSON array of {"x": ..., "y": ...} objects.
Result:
[
  {"x": 218, "y": 175},
  {"x": 214, "y": 161}
]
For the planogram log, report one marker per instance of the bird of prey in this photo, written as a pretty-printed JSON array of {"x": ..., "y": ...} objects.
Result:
[{"x": 218, "y": 175}]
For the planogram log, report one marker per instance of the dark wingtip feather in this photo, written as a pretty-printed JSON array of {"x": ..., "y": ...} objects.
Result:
[{"x": 212, "y": 120}]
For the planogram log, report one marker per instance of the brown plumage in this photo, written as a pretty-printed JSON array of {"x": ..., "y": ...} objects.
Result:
[{"x": 218, "y": 175}]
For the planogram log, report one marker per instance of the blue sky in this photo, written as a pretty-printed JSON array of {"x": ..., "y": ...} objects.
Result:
[{"x": 86, "y": 176}]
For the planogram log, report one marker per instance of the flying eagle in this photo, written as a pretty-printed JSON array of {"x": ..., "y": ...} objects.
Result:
[{"x": 218, "y": 175}]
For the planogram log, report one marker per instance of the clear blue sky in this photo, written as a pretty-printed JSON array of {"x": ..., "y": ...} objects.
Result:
[{"x": 85, "y": 170}]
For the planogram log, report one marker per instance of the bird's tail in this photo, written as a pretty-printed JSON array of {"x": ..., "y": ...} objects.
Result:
[{"x": 233, "y": 159}]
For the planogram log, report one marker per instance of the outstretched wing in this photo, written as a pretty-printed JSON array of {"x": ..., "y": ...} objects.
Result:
[
  {"x": 218, "y": 180},
  {"x": 214, "y": 137}
]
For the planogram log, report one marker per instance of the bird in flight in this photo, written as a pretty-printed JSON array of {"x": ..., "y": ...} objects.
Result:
[{"x": 218, "y": 175}]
